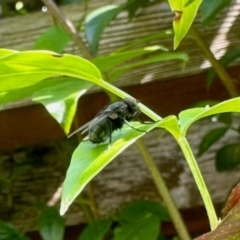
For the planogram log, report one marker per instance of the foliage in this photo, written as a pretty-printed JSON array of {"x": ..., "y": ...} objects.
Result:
[
  {"x": 9, "y": 232},
  {"x": 58, "y": 80},
  {"x": 137, "y": 220}
]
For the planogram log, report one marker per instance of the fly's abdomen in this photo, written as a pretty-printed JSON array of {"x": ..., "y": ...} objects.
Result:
[{"x": 100, "y": 132}]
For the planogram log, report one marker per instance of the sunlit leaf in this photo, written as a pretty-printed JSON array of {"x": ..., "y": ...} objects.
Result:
[
  {"x": 4, "y": 52},
  {"x": 89, "y": 159},
  {"x": 61, "y": 99},
  {"x": 185, "y": 12},
  {"x": 26, "y": 68},
  {"x": 54, "y": 39},
  {"x": 96, "y": 21},
  {"x": 189, "y": 116},
  {"x": 59, "y": 96}
]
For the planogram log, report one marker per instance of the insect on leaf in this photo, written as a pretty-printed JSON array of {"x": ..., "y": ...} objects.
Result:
[{"x": 89, "y": 159}]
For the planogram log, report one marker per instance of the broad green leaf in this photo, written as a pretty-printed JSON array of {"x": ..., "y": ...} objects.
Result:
[
  {"x": 54, "y": 39},
  {"x": 9, "y": 232},
  {"x": 228, "y": 157},
  {"x": 229, "y": 57},
  {"x": 4, "y": 52},
  {"x": 61, "y": 99},
  {"x": 51, "y": 225},
  {"x": 26, "y": 68},
  {"x": 140, "y": 209},
  {"x": 147, "y": 228},
  {"x": 59, "y": 96},
  {"x": 185, "y": 12},
  {"x": 210, "y": 138},
  {"x": 96, "y": 230},
  {"x": 104, "y": 63},
  {"x": 117, "y": 72},
  {"x": 89, "y": 159},
  {"x": 97, "y": 21},
  {"x": 209, "y": 9},
  {"x": 190, "y": 116}
]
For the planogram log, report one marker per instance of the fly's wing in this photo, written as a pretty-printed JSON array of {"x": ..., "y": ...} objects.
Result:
[{"x": 85, "y": 128}]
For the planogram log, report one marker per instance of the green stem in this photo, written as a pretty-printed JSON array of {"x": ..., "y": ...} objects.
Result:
[
  {"x": 222, "y": 73},
  {"x": 163, "y": 191},
  {"x": 122, "y": 94},
  {"x": 183, "y": 143}
]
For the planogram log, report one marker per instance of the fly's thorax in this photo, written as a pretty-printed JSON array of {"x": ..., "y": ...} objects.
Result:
[{"x": 133, "y": 108}]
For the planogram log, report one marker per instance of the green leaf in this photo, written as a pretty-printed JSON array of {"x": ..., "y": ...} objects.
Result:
[
  {"x": 228, "y": 157},
  {"x": 117, "y": 72},
  {"x": 96, "y": 230},
  {"x": 187, "y": 117},
  {"x": 4, "y": 52},
  {"x": 51, "y": 225},
  {"x": 170, "y": 123},
  {"x": 229, "y": 57},
  {"x": 26, "y": 68},
  {"x": 140, "y": 209},
  {"x": 61, "y": 99},
  {"x": 104, "y": 63},
  {"x": 58, "y": 95},
  {"x": 210, "y": 138},
  {"x": 9, "y": 232},
  {"x": 89, "y": 159},
  {"x": 54, "y": 39},
  {"x": 225, "y": 118},
  {"x": 185, "y": 12},
  {"x": 147, "y": 228},
  {"x": 97, "y": 21},
  {"x": 145, "y": 40},
  {"x": 209, "y": 9},
  {"x": 133, "y": 6}
]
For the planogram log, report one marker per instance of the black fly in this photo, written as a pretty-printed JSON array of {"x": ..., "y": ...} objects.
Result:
[{"x": 110, "y": 119}]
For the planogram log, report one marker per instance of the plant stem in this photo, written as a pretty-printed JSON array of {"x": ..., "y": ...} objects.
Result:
[
  {"x": 183, "y": 143},
  {"x": 163, "y": 191},
  {"x": 93, "y": 202},
  {"x": 68, "y": 27},
  {"x": 122, "y": 94},
  {"x": 224, "y": 76}
]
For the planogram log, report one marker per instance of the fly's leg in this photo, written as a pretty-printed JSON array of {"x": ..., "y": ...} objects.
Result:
[{"x": 133, "y": 126}]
